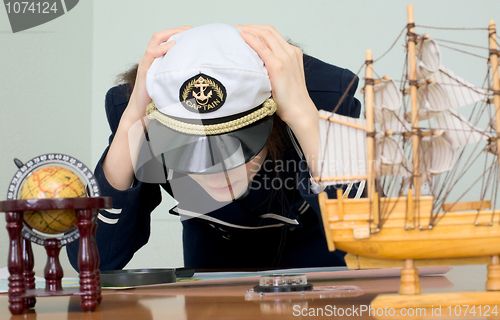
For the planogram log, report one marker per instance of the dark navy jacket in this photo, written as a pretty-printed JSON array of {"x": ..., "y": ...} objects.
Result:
[{"x": 267, "y": 228}]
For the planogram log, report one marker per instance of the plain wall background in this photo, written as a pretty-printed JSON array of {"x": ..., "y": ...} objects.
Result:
[
  {"x": 53, "y": 78},
  {"x": 45, "y": 98}
]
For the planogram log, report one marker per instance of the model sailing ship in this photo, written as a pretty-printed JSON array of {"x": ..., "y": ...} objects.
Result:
[{"x": 401, "y": 146}]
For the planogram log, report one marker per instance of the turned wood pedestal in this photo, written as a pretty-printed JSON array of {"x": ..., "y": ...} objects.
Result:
[
  {"x": 410, "y": 291},
  {"x": 22, "y": 292}
]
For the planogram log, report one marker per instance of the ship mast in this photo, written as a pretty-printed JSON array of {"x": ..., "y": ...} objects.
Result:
[
  {"x": 493, "y": 282},
  {"x": 412, "y": 39},
  {"x": 495, "y": 76},
  {"x": 370, "y": 141}
]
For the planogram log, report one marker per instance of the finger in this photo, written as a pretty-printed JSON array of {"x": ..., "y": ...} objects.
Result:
[
  {"x": 292, "y": 57},
  {"x": 158, "y": 51},
  {"x": 153, "y": 53},
  {"x": 293, "y": 52},
  {"x": 268, "y": 37},
  {"x": 158, "y": 47},
  {"x": 162, "y": 36},
  {"x": 269, "y": 58},
  {"x": 270, "y": 28},
  {"x": 284, "y": 43}
]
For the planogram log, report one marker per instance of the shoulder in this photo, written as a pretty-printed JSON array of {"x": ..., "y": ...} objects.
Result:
[
  {"x": 116, "y": 101},
  {"x": 322, "y": 76},
  {"x": 326, "y": 84}
]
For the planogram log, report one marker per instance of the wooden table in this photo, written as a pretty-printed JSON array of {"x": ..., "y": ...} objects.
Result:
[{"x": 228, "y": 302}]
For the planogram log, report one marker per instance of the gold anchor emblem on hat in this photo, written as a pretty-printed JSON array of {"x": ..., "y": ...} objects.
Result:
[
  {"x": 210, "y": 94},
  {"x": 200, "y": 97}
]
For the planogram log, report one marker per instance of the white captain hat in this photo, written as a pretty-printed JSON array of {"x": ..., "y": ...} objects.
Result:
[{"x": 211, "y": 104}]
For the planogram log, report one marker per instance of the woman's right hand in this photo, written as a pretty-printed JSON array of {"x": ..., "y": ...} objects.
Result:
[
  {"x": 156, "y": 48},
  {"x": 117, "y": 165}
]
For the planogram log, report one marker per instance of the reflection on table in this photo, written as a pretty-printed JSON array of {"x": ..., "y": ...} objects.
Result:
[{"x": 228, "y": 302}]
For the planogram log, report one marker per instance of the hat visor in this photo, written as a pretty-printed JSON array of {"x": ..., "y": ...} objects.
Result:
[{"x": 165, "y": 148}]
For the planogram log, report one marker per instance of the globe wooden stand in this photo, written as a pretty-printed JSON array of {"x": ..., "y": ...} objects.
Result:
[{"x": 22, "y": 290}]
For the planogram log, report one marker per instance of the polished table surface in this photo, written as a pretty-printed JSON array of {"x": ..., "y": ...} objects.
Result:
[{"x": 228, "y": 302}]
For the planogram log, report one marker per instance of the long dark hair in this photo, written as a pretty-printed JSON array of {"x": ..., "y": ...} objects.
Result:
[{"x": 276, "y": 143}]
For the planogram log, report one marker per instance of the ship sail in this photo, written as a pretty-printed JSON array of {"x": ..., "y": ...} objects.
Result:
[
  {"x": 459, "y": 129},
  {"x": 389, "y": 158},
  {"x": 438, "y": 155},
  {"x": 386, "y": 96},
  {"x": 342, "y": 148},
  {"x": 387, "y": 107},
  {"x": 447, "y": 89},
  {"x": 431, "y": 101},
  {"x": 347, "y": 157},
  {"x": 459, "y": 92},
  {"x": 440, "y": 92},
  {"x": 429, "y": 58}
]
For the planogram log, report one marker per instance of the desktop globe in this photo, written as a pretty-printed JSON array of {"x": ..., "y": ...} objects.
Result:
[
  {"x": 52, "y": 182},
  {"x": 52, "y": 200}
]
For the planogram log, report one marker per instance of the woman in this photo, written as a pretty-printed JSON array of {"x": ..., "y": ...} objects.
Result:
[{"x": 245, "y": 193}]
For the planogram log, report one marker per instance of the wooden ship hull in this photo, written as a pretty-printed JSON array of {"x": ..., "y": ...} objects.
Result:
[{"x": 459, "y": 234}]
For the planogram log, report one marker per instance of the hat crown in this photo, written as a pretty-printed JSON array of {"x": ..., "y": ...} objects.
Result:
[
  {"x": 216, "y": 45},
  {"x": 219, "y": 52}
]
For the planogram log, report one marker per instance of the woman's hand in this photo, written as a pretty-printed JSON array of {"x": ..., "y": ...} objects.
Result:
[
  {"x": 284, "y": 63},
  {"x": 117, "y": 166},
  {"x": 156, "y": 48}
]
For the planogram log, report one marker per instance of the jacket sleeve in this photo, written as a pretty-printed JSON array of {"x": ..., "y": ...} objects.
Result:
[{"x": 124, "y": 229}]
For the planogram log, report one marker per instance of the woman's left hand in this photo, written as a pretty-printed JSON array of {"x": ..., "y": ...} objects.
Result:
[
  {"x": 284, "y": 63},
  {"x": 286, "y": 71}
]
